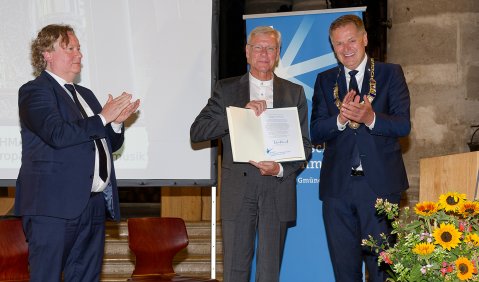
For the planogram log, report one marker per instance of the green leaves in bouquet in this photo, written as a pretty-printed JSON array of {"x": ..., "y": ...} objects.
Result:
[{"x": 439, "y": 242}]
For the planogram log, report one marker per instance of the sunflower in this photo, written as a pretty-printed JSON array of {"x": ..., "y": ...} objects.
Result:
[
  {"x": 423, "y": 249},
  {"x": 465, "y": 268},
  {"x": 473, "y": 238},
  {"x": 447, "y": 236},
  {"x": 450, "y": 201},
  {"x": 468, "y": 208},
  {"x": 426, "y": 208}
]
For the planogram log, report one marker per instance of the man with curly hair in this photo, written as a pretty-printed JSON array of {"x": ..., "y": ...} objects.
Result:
[{"x": 66, "y": 182}]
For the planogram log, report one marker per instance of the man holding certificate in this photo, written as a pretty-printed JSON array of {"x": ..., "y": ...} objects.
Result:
[{"x": 257, "y": 197}]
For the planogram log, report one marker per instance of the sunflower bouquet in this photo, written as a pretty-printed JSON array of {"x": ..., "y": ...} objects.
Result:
[{"x": 439, "y": 242}]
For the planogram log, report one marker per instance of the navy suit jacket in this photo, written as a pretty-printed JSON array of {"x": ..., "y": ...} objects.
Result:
[
  {"x": 236, "y": 178},
  {"x": 58, "y": 150},
  {"x": 379, "y": 148}
]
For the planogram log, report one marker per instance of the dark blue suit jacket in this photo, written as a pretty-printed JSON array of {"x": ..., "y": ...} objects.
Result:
[
  {"x": 58, "y": 150},
  {"x": 379, "y": 148}
]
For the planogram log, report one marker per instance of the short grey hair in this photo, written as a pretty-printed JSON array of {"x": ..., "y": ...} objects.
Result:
[{"x": 265, "y": 30}]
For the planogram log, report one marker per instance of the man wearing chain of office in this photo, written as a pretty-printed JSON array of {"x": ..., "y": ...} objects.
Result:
[{"x": 360, "y": 110}]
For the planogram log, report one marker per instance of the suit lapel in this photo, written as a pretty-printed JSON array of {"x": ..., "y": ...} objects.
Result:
[
  {"x": 89, "y": 99},
  {"x": 367, "y": 76},
  {"x": 240, "y": 92},
  {"x": 277, "y": 93},
  {"x": 343, "y": 88},
  {"x": 341, "y": 80},
  {"x": 62, "y": 93},
  {"x": 243, "y": 96}
]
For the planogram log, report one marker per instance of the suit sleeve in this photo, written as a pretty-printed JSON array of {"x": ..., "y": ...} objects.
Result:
[
  {"x": 116, "y": 139},
  {"x": 40, "y": 112},
  {"x": 396, "y": 121},
  {"x": 211, "y": 123}
]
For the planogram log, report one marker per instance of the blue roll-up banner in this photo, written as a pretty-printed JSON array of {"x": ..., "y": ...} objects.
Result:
[{"x": 305, "y": 52}]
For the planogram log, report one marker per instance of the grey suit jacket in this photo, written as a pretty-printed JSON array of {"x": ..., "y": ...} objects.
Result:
[{"x": 212, "y": 124}]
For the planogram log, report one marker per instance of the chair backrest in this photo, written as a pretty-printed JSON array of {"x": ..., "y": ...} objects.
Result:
[
  {"x": 155, "y": 241},
  {"x": 13, "y": 251}
]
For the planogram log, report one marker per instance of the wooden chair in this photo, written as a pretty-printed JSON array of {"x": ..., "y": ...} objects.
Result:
[
  {"x": 155, "y": 241},
  {"x": 13, "y": 251}
]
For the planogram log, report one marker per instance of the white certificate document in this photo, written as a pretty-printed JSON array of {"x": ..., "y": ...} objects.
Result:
[{"x": 275, "y": 135}]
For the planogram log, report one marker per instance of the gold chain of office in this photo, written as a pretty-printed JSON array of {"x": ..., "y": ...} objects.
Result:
[{"x": 370, "y": 96}]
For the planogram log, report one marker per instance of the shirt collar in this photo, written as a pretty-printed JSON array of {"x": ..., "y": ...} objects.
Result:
[
  {"x": 360, "y": 68},
  {"x": 258, "y": 82},
  {"x": 60, "y": 80}
]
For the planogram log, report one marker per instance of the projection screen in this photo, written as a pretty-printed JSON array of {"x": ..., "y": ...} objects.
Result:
[{"x": 163, "y": 52}]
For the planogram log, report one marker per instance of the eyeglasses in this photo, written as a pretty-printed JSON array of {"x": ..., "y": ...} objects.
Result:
[{"x": 259, "y": 49}]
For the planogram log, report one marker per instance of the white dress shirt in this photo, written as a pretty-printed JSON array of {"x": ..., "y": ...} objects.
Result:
[
  {"x": 263, "y": 90},
  {"x": 98, "y": 184},
  {"x": 359, "y": 78}
]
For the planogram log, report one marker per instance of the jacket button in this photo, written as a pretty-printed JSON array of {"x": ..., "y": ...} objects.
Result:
[{"x": 245, "y": 174}]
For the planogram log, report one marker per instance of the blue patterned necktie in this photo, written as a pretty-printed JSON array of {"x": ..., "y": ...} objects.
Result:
[{"x": 353, "y": 85}]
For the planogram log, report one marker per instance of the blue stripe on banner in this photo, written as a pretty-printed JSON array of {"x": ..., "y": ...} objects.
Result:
[{"x": 305, "y": 52}]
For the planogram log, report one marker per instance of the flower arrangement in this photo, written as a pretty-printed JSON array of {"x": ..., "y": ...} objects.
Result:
[{"x": 440, "y": 242}]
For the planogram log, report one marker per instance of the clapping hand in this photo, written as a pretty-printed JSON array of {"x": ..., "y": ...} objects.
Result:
[
  {"x": 354, "y": 110},
  {"x": 120, "y": 108}
]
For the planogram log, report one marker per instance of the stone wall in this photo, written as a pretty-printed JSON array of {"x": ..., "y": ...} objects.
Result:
[{"x": 437, "y": 44}]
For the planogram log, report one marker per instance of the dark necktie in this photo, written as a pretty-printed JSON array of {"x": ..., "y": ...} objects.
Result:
[
  {"x": 99, "y": 145},
  {"x": 353, "y": 85}
]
